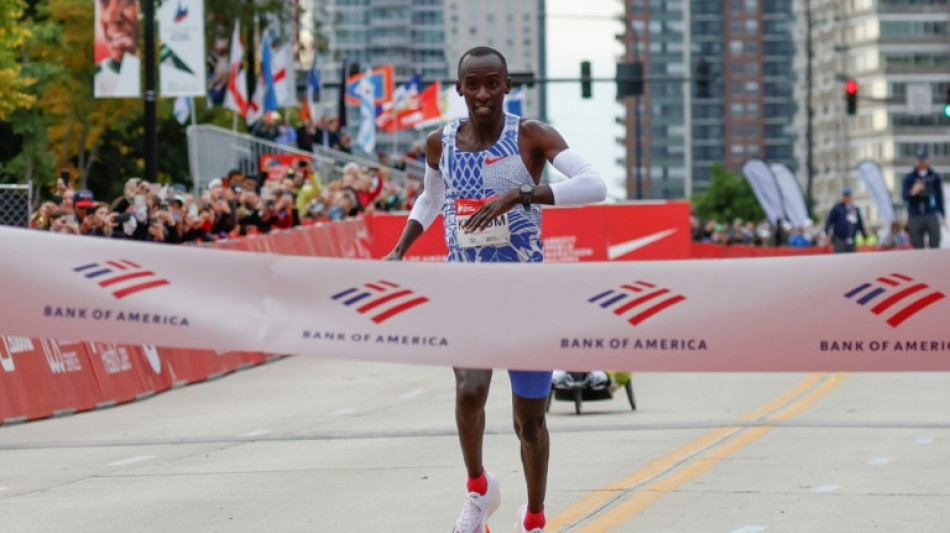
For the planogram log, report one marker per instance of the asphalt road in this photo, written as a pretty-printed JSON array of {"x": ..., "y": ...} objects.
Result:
[{"x": 306, "y": 444}]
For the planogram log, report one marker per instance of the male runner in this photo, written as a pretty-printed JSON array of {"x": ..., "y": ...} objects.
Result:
[{"x": 483, "y": 175}]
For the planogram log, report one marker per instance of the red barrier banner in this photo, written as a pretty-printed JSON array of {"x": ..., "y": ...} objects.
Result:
[
  {"x": 42, "y": 377},
  {"x": 634, "y": 231},
  {"x": 126, "y": 372}
]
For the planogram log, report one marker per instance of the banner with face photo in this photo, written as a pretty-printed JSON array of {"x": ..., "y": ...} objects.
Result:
[
  {"x": 117, "y": 54},
  {"x": 181, "y": 58}
]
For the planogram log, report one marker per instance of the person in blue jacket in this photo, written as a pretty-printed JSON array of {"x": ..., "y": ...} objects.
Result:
[
  {"x": 844, "y": 223},
  {"x": 923, "y": 192}
]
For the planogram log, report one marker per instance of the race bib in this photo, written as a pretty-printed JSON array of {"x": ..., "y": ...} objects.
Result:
[{"x": 496, "y": 234}]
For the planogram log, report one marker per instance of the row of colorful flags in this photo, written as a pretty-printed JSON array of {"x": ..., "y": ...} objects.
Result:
[{"x": 383, "y": 107}]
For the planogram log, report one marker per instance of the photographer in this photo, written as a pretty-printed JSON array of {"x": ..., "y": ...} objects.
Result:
[{"x": 923, "y": 192}]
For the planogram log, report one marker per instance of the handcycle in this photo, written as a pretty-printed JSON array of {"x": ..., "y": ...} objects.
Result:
[{"x": 580, "y": 387}]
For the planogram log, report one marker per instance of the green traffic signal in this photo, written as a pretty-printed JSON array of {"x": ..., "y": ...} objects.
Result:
[{"x": 946, "y": 110}]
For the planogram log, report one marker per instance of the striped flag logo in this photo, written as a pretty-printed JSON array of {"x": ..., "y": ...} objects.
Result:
[
  {"x": 896, "y": 297},
  {"x": 122, "y": 277},
  {"x": 380, "y": 301},
  {"x": 637, "y": 301}
]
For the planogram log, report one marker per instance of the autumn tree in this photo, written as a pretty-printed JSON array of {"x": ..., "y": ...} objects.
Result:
[{"x": 14, "y": 87}]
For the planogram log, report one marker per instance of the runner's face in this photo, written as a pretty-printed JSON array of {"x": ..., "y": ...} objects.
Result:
[
  {"x": 483, "y": 82},
  {"x": 120, "y": 26}
]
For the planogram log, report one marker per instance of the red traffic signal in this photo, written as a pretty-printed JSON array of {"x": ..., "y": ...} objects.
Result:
[{"x": 851, "y": 96}]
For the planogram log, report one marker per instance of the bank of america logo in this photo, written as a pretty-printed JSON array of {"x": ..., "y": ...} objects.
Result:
[
  {"x": 897, "y": 297},
  {"x": 121, "y": 277},
  {"x": 637, "y": 301},
  {"x": 380, "y": 301}
]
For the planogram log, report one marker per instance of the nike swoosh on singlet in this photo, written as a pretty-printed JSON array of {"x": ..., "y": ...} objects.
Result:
[{"x": 492, "y": 161}]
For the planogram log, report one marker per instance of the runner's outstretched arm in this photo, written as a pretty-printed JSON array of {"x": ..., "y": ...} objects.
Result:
[{"x": 428, "y": 205}]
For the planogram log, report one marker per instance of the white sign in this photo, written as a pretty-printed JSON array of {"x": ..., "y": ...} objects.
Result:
[
  {"x": 182, "y": 59},
  {"x": 919, "y": 99}
]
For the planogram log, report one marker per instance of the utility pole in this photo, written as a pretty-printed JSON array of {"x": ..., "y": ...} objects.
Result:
[
  {"x": 809, "y": 173},
  {"x": 637, "y": 123}
]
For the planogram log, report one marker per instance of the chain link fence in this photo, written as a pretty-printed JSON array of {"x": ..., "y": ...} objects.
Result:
[{"x": 15, "y": 202}]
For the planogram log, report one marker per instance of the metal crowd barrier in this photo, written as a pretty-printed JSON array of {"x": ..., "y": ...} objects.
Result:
[
  {"x": 15, "y": 203},
  {"x": 214, "y": 151}
]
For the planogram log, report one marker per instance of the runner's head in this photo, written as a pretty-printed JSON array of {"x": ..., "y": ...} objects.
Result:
[{"x": 483, "y": 82}]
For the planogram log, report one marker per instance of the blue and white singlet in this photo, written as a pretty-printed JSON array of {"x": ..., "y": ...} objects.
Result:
[{"x": 479, "y": 175}]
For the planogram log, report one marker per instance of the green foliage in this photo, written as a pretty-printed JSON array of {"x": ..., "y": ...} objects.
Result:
[
  {"x": 728, "y": 197},
  {"x": 46, "y": 50},
  {"x": 15, "y": 88}
]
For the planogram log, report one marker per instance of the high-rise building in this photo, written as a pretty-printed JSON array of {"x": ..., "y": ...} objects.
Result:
[
  {"x": 515, "y": 29},
  {"x": 748, "y": 111},
  {"x": 898, "y": 53}
]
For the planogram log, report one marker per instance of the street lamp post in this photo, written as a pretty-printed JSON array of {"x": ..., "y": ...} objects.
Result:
[{"x": 151, "y": 136}]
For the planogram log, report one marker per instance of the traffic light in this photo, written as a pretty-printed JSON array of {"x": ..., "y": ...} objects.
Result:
[
  {"x": 629, "y": 79},
  {"x": 851, "y": 96},
  {"x": 586, "y": 82},
  {"x": 946, "y": 105},
  {"x": 525, "y": 78},
  {"x": 703, "y": 79}
]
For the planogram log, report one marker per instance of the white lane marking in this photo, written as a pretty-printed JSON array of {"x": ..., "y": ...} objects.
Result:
[
  {"x": 256, "y": 433},
  {"x": 750, "y": 529},
  {"x": 879, "y": 461},
  {"x": 826, "y": 488},
  {"x": 412, "y": 394},
  {"x": 925, "y": 440},
  {"x": 342, "y": 412},
  {"x": 132, "y": 460}
]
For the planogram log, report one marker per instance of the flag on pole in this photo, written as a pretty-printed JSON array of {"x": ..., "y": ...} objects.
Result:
[
  {"x": 236, "y": 97},
  {"x": 514, "y": 101},
  {"x": 366, "y": 136},
  {"x": 404, "y": 98},
  {"x": 282, "y": 67},
  {"x": 341, "y": 104},
  {"x": 267, "y": 73},
  {"x": 313, "y": 84},
  {"x": 182, "y": 109},
  {"x": 424, "y": 109}
]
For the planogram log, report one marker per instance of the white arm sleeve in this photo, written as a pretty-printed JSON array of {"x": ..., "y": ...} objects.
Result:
[
  {"x": 429, "y": 204},
  {"x": 583, "y": 186}
]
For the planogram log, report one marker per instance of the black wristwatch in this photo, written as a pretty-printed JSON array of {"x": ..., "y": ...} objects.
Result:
[{"x": 526, "y": 191}]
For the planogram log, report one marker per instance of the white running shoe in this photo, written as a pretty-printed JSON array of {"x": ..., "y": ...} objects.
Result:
[
  {"x": 519, "y": 526},
  {"x": 478, "y": 507}
]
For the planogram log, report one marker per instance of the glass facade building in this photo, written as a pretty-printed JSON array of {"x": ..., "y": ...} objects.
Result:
[{"x": 749, "y": 110}]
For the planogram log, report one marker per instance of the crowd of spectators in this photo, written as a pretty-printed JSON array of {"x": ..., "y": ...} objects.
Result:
[
  {"x": 751, "y": 233},
  {"x": 232, "y": 206}
]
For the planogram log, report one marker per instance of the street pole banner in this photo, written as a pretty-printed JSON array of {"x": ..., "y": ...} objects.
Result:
[
  {"x": 116, "y": 52},
  {"x": 883, "y": 311},
  {"x": 182, "y": 60},
  {"x": 765, "y": 187},
  {"x": 792, "y": 197},
  {"x": 873, "y": 179}
]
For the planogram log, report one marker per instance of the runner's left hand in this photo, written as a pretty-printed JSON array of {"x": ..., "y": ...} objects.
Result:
[{"x": 491, "y": 210}]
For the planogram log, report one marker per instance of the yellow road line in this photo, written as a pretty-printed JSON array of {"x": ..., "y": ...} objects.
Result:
[{"x": 644, "y": 497}]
